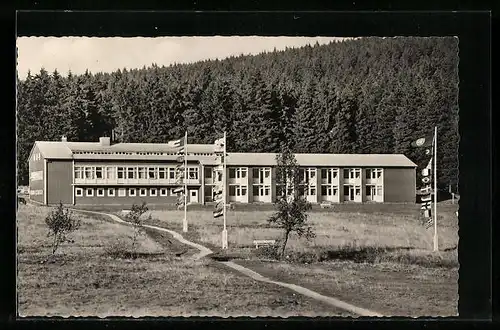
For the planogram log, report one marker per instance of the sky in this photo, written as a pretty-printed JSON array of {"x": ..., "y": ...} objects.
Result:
[{"x": 110, "y": 54}]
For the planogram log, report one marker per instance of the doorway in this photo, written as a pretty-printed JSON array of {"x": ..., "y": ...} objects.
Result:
[{"x": 193, "y": 196}]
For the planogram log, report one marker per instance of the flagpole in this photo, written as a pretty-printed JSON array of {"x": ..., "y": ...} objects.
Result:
[
  {"x": 224, "y": 230},
  {"x": 184, "y": 223},
  {"x": 436, "y": 248}
]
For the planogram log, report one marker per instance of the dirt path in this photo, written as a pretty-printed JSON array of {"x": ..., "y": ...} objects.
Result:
[{"x": 204, "y": 251}]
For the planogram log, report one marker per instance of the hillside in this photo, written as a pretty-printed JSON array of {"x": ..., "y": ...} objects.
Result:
[{"x": 370, "y": 95}]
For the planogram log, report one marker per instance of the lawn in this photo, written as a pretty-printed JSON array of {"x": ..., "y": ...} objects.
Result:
[
  {"x": 377, "y": 256},
  {"x": 83, "y": 279}
]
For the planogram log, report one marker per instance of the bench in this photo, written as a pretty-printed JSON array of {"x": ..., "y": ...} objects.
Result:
[
  {"x": 263, "y": 242},
  {"x": 326, "y": 205}
]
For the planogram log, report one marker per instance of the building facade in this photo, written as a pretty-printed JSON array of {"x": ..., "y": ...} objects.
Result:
[{"x": 85, "y": 173}]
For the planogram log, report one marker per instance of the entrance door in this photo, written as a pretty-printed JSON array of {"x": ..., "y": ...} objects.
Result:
[
  {"x": 370, "y": 193},
  {"x": 193, "y": 196},
  {"x": 348, "y": 193}
]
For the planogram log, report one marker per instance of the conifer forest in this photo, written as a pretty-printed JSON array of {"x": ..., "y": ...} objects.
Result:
[{"x": 367, "y": 95}]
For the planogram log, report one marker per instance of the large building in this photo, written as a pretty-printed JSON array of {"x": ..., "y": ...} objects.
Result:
[{"x": 82, "y": 173}]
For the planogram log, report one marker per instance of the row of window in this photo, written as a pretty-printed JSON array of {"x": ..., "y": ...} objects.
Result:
[
  {"x": 122, "y": 192},
  {"x": 137, "y": 153},
  {"x": 131, "y": 172}
]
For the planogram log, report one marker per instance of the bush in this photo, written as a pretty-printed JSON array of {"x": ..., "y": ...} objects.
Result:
[
  {"x": 61, "y": 224},
  {"x": 135, "y": 218}
]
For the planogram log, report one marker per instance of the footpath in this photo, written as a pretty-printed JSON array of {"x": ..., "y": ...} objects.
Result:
[{"x": 204, "y": 251}]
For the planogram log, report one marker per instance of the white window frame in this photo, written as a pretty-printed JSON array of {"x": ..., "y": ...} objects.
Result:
[
  {"x": 232, "y": 186},
  {"x": 99, "y": 190},
  {"x": 195, "y": 171},
  {"x": 112, "y": 190},
  {"x": 153, "y": 170},
  {"x": 142, "y": 171},
  {"x": 143, "y": 192},
  {"x": 134, "y": 172},
  {"x": 78, "y": 192},
  {"x": 122, "y": 192},
  {"x": 123, "y": 171},
  {"x": 163, "y": 191},
  {"x": 130, "y": 190},
  {"x": 110, "y": 170},
  {"x": 99, "y": 169},
  {"x": 87, "y": 192},
  {"x": 151, "y": 190},
  {"x": 79, "y": 172},
  {"x": 89, "y": 169}
]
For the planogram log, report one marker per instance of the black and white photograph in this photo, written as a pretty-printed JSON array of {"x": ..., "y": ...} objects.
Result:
[{"x": 225, "y": 176}]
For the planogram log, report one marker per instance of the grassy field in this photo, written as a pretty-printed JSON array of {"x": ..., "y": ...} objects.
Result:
[
  {"x": 83, "y": 279},
  {"x": 394, "y": 229},
  {"x": 376, "y": 256}
]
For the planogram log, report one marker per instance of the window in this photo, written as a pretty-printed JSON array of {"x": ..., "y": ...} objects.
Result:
[
  {"x": 232, "y": 190},
  {"x": 100, "y": 192},
  {"x": 111, "y": 192},
  {"x": 255, "y": 190},
  {"x": 267, "y": 190},
  {"x": 98, "y": 172},
  {"x": 131, "y": 173},
  {"x": 346, "y": 190},
  {"x": 143, "y": 192},
  {"x": 335, "y": 173},
  {"x": 241, "y": 173},
  {"x": 326, "y": 191},
  {"x": 142, "y": 173},
  {"x": 78, "y": 192},
  {"x": 379, "y": 191},
  {"x": 110, "y": 173},
  {"x": 358, "y": 191},
  {"x": 324, "y": 173},
  {"x": 357, "y": 173},
  {"x": 89, "y": 174},
  {"x": 232, "y": 173},
  {"x": 121, "y": 172},
  {"x": 241, "y": 190},
  {"x": 335, "y": 191},
  {"x": 121, "y": 192},
  {"x": 131, "y": 192},
  {"x": 153, "y": 192},
  {"x": 312, "y": 191},
  {"x": 89, "y": 192},
  {"x": 208, "y": 173},
  {"x": 255, "y": 173},
  {"x": 152, "y": 173},
  {"x": 78, "y": 172},
  {"x": 162, "y": 173},
  {"x": 193, "y": 173},
  {"x": 171, "y": 173},
  {"x": 163, "y": 191},
  {"x": 346, "y": 173}
]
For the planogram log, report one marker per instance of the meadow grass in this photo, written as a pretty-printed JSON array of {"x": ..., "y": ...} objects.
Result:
[
  {"x": 84, "y": 280},
  {"x": 387, "y": 232}
]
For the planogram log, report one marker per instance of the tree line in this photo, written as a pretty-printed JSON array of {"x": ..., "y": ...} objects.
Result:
[{"x": 368, "y": 95}]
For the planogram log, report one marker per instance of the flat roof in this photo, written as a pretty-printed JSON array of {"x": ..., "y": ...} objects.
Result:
[{"x": 204, "y": 154}]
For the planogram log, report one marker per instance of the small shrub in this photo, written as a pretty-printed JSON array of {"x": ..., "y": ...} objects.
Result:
[
  {"x": 135, "y": 218},
  {"x": 269, "y": 252},
  {"x": 61, "y": 224}
]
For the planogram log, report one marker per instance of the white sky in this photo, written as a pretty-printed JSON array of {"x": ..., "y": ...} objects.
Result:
[{"x": 110, "y": 54}]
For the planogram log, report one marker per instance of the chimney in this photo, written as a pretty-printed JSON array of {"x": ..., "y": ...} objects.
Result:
[
  {"x": 64, "y": 138},
  {"x": 105, "y": 141}
]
